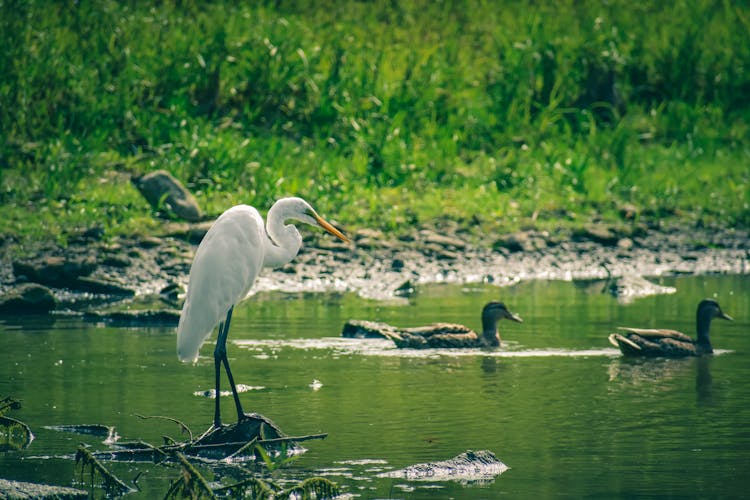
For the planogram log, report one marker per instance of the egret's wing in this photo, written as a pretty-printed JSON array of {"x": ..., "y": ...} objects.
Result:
[
  {"x": 224, "y": 269},
  {"x": 656, "y": 333}
]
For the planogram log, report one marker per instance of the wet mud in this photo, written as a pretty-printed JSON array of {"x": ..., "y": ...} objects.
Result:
[{"x": 149, "y": 274}]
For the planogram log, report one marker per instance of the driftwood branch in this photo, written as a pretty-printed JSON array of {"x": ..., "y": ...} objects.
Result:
[{"x": 145, "y": 451}]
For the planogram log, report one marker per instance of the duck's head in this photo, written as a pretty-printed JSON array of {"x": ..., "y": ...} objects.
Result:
[
  {"x": 491, "y": 314},
  {"x": 709, "y": 309}
]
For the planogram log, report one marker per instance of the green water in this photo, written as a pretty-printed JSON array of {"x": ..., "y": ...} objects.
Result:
[{"x": 558, "y": 405}]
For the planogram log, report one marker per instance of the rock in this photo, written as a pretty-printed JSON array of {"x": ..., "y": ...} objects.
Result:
[
  {"x": 331, "y": 244},
  {"x": 369, "y": 243},
  {"x": 197, "y": 231},
  {"x": 149, "y": 242},
  {"x": 625, "y": 244},
  {"x": 439, "y": 252},
  {"x": 163, "y": 191},
  {"x": 468, "y": 467},
  {"x": 367, "y": 233},
  {"x": 171, "y": 292},
  {"x": 142, "y": 317},
  {"x": 119, "y": 261},
  {"x": 54, "y": 271},
  {"x": 406, "y": 289},
  {"x": 442, "y": 240},
  {"x": 288, "y": 268},
  {"x": 93, "y": 233},
  {"x": 28, "y": 298},
  {"x": 96, "y": 285},
  {"x": 599, "y": 233},
  {"x": 21, "y": 491},
  {"x": 628, "y": 211},
  {"x": 522, "y": 241},
  {"x": 629, "y": 288}
]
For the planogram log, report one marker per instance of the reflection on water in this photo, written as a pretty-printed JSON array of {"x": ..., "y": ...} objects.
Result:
[
  {"x": 704, "y": 383},
  {"x": 557, "y": 402}
]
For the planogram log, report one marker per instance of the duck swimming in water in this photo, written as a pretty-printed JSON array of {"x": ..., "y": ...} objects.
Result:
[
  {"x": 437, "y": 335},
  {"x": 670, "y": 343}
]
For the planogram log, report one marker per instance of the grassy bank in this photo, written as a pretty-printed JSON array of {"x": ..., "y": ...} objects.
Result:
[{"x": 504, "y": 114}]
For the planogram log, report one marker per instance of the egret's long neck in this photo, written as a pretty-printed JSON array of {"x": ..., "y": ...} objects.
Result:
[{"x": 284, "y": 241}]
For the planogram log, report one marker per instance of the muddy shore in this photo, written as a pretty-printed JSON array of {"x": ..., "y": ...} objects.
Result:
[{"x": 91, "y": 271}]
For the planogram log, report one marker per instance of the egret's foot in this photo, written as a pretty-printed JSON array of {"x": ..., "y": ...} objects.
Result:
[{"x": 249, "y": 426}]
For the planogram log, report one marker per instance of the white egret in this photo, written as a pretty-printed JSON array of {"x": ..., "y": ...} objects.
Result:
[{"x": 224, "y": 268}]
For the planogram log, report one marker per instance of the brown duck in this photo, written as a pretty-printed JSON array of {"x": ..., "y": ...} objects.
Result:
[
  {"x": 670, "y": 343},
  {"x": 437, "y": 335}
]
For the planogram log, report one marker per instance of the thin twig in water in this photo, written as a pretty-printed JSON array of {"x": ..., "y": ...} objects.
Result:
[
  {"x": 184, "y": 427},
  {"x": 249, "y": 445}
]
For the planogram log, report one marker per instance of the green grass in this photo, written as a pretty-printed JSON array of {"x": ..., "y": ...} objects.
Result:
[{"x": 382, "y": 114}]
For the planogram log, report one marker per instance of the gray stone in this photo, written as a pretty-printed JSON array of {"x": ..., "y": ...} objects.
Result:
[
  {"x": 625, "y": 244},
  {"x": 439, "y": 252},
  {"x": 18, "y": 490},
  {"x": 599, "y": 233},
  {"x": 138, "y": 317},
  {"x": 442, "y": 240},
  {"x": 468, "y": 467},
  {"x": 28, "y": 298},
  {"x": 368, "y": 234},
  {"x": 163, "y": 191},
  {"x": 54, "y": 270},
  {"x": 116, "y": 260},
  {"x": 519, "y": 242},
  {"x": 96, "y": 285}
]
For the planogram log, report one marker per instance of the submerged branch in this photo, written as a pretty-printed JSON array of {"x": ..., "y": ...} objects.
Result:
[
  {"x": 312, "y": 487},
  {"x": 7, "y": 426},
  {"x": 111, "y": 483},
  {"x": 8, "y": 403},
  {"x": 191, "y": 484}
]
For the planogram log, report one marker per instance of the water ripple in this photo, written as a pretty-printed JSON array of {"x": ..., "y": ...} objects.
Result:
[{"x": 383, "y": 347}]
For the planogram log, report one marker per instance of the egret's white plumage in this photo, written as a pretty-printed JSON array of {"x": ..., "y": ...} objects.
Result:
[
  {"x": 224, "y": 269},
  {"x": 228, "y": 261}
]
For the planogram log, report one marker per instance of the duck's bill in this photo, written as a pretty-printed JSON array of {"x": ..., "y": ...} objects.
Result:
[
  {"x": 515, "y": 317},
  {"x": 328, "y": 227},
  {"x": 726, "y": 316}
]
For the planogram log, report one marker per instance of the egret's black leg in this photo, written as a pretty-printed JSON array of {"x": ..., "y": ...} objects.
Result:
[
  {"x": 223, "y": 339},
  {"x": 220, "y": 353}
]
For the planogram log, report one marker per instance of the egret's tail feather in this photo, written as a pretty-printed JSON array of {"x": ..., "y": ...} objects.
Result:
[{"x": 191, "y": 333}]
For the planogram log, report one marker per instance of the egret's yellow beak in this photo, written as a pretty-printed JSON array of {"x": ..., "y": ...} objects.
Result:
[{"x": 328, "y": 227}]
